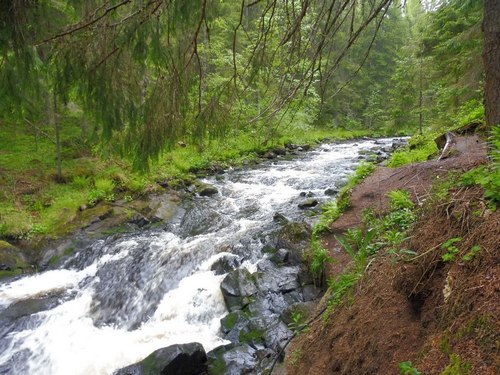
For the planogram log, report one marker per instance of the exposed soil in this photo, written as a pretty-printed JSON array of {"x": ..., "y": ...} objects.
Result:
[{"x": 433, "y": 313}]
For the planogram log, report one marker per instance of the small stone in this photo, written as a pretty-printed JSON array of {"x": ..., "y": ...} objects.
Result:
[
  {"x": 331, "y": 191},
  {"x": 280, "y": 218},
  {"x": 308, "y": 203},
  {"x": 206, "y": 190}
]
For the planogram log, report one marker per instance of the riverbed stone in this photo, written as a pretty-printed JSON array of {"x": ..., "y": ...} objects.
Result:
[
  {"x": 280, "y": 218},
  {"x": 179, "y": 359},
  {"x": 237, "y": 289},
  {"x": 331, "y": 191},
  {"x": 205, "y": 190},
  {"x": 232, "y": 360},
  {"x": 294, "y": 237},
  {"x": 225, "y": 264},
  {"x": 308, "y": 203}
]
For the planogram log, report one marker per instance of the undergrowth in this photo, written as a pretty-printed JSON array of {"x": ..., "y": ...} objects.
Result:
[
  {"x": 488, "y": 176},
  {"x": 420, "y": 148},
  {"x": 331, "y": 211},
  {"x": 362, "y": 244},
  {"x": 33, "y": 203}
]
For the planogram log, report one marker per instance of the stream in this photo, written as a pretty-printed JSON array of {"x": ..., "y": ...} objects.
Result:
[{"x": 118, "y": 299}]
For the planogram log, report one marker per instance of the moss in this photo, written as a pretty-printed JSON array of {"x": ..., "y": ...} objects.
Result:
[
  {"x": 251, "y": 336},
  {"x": 5, "y": 245}
]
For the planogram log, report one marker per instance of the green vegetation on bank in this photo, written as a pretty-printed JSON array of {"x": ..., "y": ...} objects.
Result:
[
  {"x": 331, "y": 212},
  {"x": 34, "y": 203},
  {"x": 363, "y": 243}
]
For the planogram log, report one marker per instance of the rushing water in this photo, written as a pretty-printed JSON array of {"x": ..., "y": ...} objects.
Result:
[{"x": 119, "y": 299}]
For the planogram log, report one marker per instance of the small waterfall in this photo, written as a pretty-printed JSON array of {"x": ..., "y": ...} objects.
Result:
[{"x": 119, "y": 299}]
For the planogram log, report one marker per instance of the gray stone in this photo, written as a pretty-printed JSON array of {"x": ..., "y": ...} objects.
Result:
[
  {"x": 180, "y": 359},
  {"x": 331, "y": 191},
  {"x": 237, "y": 288},
  {"x": 308, "y": 203},
  {"x": 280, "y": 218},
  {"x": 225, "y": 264},
  {"x": 205, "y": 190}
]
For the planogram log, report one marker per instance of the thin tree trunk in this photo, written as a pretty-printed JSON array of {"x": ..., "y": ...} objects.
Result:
[
  {"x": 58, "y": 138},
  {"x": 491, "y": 59},
  {"x": 420, "y": 115}
]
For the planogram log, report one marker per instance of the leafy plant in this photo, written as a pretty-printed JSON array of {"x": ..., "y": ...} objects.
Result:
[
  {"x": 341, "y": 285},
  {"x": 451, "y": 249},
  {"x": 472, "y": 253},
  {"x": 357, "y": 244},
  {"x": 298, "y": 323},
  {"x": 320, "y": 257},
  {"x": 488, "y": 176},
  {"x": 400, "y": 199},
  {"x": 406, "y": 368},
  {"x": 81, "y": 182}
]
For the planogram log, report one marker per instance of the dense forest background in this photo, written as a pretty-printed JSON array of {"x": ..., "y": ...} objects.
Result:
[{"x": 91, "y": 92}]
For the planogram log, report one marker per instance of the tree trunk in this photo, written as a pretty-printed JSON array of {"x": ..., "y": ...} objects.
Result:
[
  {"x": 55, "y": 121},
  {"x": 491, "y": 59}
]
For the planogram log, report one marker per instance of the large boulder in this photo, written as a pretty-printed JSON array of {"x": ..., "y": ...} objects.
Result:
[
  {"x": 179, "y": 359},
  {"x": 237, "y": 288}
]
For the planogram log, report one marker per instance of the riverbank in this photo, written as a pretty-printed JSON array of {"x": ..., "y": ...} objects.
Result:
[
  {"x": 100, "y": 196},
  {"x": 424, "y": 300}
]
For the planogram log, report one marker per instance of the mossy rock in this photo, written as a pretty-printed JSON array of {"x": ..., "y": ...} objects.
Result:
[{"x": 11, "y": 261}]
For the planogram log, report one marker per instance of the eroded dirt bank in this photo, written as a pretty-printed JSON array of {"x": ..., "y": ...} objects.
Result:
[{"x": 441, "y": 316}]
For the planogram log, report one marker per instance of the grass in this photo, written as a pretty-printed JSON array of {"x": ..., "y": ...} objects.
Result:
[
  {"x": 331, "y": 211},
  {"x": 420, "y": 148},
  {"x": 33, "y": 204}
]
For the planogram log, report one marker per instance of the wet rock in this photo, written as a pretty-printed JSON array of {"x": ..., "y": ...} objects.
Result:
[
  {"x": 398, "y": 143},
  {"x": 237, "y": 288},
  {"x": 139, "y": 220},
  {"x": 331, "y": 191},
  {"x": 308, "y": 203},
  {"x": 273, "y": 278},
  {"x": 206, "y": 190},
  {"x": 232, "y": 360},
  {"x": 280, "y": 257},
  {"x": 280, "y": 218},
  {"x": 225, "y": 264},
  {"x": 235, "y": 320},
  {"x": 10, "y": 257},
  {"x": 294, "y": 237},
  {"x": 280, "y": 151},
  {"x": 180, "y": 359},
  {"x": 269, "y": 155}
]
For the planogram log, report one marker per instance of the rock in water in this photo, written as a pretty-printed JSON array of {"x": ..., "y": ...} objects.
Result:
[
  {"x": 307, "y": 203},
  {"x": 206, "y": 190},
  {"x": 179, "y": 359},
  {"x": 225, "y": 264},
  {"x": 331, "y": 191},
  {"x": 236, "y": 288}
]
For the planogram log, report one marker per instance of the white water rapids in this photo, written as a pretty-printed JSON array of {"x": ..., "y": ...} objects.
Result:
[{"x": 117, "y": 300}]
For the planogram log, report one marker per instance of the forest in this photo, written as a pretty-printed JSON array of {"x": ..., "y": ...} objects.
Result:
[
  {"x": 249, "y": 186},
  {"x": 103, "y": 99}
]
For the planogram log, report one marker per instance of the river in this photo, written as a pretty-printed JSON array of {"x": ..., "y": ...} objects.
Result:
[{"x": 118, "y": 299}]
